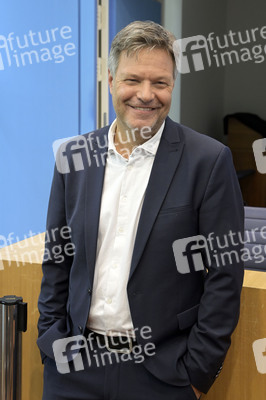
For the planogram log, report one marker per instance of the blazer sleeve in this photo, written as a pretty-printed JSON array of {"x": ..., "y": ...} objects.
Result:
[
  {"x": 56, "y": 266},
  {"x": 221, "y": 220}
]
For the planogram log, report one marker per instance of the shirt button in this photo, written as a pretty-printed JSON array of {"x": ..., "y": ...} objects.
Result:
[
  {"x": 120, "y": 229},
  {"x": 109, "y": 301},
  {"x": 115, "y": 265}
]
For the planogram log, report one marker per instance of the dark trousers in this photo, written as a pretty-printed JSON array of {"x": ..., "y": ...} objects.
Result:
[{"x": 105, "y": 375}]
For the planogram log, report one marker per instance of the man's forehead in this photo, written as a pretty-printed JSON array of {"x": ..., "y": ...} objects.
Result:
[{"x": 148, "y": 57}]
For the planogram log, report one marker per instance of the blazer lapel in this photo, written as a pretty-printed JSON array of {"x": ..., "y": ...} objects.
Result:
[
  {"x": 94, "y": 186},
  {"x": 166, "y": 161}
]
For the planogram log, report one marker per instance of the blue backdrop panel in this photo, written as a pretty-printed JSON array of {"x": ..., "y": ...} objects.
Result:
[
  {"x": 122, "y": 12},
  {"x": 47, "y": 91},
  {"x": 128, "y": 11}
]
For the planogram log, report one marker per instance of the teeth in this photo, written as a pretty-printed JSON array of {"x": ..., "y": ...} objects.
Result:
[{"x": 143, "y": 109}]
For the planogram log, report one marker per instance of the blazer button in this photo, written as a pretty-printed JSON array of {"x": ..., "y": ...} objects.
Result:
[
  {"x": 89, "y": 291},
  {"x": 80, "y": 328}
]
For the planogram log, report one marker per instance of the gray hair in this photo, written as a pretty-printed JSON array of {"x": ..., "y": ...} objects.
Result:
[{"x": 137, "y": 36}]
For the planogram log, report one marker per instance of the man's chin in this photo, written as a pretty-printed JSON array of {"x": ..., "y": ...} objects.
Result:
[{"x": 142, "y": 125}]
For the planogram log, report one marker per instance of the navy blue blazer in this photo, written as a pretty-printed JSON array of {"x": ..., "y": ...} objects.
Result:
[{"x": 192, "y": 190}]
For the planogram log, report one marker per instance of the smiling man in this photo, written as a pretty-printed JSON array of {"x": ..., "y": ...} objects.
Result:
[{"x": 122, "y": 292}]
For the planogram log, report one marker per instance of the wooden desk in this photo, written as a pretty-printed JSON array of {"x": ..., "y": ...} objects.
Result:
[
  {"x": 239, "y": 379},
  {"x": 20, "y": 274}
]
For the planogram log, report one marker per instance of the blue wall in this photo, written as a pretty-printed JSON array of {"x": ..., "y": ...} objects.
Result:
[{"x": 47, "y": 92}]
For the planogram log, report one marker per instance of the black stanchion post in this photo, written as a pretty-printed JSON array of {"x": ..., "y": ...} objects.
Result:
[{"x": 13, "y": 321}]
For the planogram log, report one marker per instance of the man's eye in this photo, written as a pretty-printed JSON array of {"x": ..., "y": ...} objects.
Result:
[
  {"x": 131, "y": 80},
  {"x": 161, "y": 83}
]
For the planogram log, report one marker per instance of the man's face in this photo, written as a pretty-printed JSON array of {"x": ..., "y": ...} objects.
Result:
[{"x": 142, "y": 89}]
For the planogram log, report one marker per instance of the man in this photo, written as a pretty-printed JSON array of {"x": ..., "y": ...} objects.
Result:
[{"x": 149, "y": 204}]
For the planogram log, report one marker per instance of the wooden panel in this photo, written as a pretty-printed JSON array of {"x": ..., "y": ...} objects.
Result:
[
  {"x": 253, "y": 189},
  {"x": 21, "y": 275},
  {"x": 240, "y": 140},
  {"x": 239, "y": 378}
]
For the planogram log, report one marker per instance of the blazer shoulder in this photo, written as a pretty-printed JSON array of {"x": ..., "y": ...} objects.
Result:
[
  {"x": 194, "y": 137},
  {"x": 193, "y": 140}
]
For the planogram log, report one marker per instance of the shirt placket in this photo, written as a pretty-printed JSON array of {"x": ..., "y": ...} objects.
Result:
[{"x": 116, "y": 271}]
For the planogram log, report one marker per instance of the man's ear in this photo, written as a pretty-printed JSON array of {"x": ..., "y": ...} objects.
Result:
[{"x": 110, "y": 81}]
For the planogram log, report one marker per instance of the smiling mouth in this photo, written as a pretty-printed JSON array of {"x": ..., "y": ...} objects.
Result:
[{"x": 143, "y": 108}]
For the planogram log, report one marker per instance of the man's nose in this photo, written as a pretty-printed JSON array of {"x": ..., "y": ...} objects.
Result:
[{"x": 145, "y": 92}]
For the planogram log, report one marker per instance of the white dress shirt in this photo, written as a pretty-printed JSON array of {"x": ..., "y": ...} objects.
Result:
[{"x": 125, "y": 183}]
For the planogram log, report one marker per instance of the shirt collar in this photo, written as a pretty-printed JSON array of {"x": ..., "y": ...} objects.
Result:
[{"x": 150, "y": 146}]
